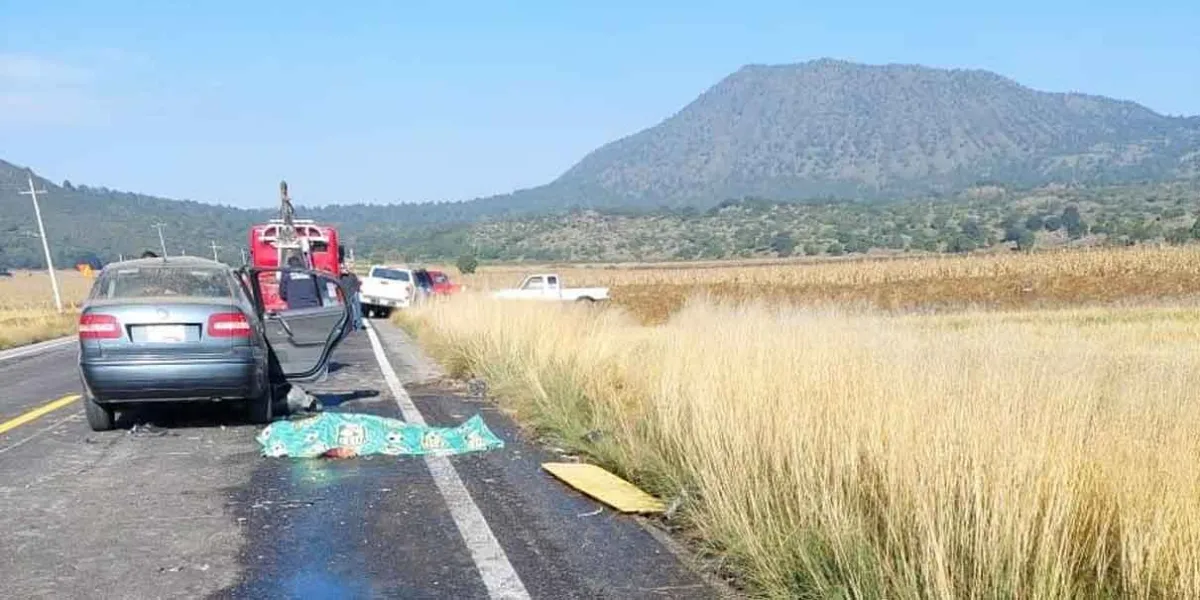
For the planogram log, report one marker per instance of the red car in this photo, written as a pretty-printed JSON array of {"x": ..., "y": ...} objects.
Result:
[{"x": 442, "y": 285}]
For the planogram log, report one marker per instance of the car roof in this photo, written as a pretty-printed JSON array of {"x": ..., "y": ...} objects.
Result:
[{"x": 169, "y": 261}]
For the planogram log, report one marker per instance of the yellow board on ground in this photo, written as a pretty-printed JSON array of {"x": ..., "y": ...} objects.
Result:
[{"x": 605, "y": 487}]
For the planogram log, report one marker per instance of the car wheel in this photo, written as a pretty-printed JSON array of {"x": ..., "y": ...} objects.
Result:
[
  {"x": 261, "y": 410},
  {"x": 99, "y": 417}
]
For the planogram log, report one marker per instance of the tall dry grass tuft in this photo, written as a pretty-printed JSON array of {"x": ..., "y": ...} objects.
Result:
[{"x": 1036, "y": 455}]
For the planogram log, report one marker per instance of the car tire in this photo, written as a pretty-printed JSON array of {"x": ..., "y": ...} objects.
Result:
[
  {"x": 261, "y": 410},
  {"x": 99, "y": 417},
  {"x": 586, "y": 300}
]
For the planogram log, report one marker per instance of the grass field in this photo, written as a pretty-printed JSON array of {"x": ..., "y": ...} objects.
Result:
[
  {"x": 27, "y": 312},
  {"x": 994, "y": 281},
  {"x": 826, "y": 435}
]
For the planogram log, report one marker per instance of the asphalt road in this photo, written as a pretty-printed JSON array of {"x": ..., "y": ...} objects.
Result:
[{"x": 189, "y": 509}]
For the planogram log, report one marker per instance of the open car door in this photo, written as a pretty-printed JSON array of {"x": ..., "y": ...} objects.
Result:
[{"x": 303, "y": 334}]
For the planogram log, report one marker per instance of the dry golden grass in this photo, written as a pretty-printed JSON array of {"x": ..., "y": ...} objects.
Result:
[
  {"x": 27, "y": 312},
  {"x": 823, "y": 452}
]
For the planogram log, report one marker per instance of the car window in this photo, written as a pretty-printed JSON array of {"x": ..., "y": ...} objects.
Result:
[
  {"x": 394, "y": 274},
  {"x": 552, "y": 281},
  {"x": 535, "y": 283},
  {"x": 154, "y": 282},
  {"x": 440, "y": 278}
]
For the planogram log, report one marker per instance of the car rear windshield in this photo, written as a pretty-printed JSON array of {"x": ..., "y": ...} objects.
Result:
[
  {"x": 156, "y": 282},
  {"x": 390, "y": 274}
]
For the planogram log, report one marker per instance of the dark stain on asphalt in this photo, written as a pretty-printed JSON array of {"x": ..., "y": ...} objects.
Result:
[{"x": 366, "y": 527}]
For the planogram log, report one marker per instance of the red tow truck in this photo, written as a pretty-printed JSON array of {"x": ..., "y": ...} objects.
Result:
[{"x": 272, "y": 242}]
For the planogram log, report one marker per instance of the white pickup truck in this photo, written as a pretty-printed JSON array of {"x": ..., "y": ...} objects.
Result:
[
  {"x": 548, "y": 286},
  {"x": 386, "y": 287}
]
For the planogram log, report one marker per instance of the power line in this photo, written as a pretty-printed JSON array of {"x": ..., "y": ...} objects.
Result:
[{"x": 37, "y": 210}]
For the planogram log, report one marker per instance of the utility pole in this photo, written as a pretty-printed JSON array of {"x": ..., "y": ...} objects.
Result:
[
  {"x": 243, "y": 255},
  {"x": 37, "y": 210},
  {"x": 215, "y": 247},
  {"x": 162, "y": 242}
]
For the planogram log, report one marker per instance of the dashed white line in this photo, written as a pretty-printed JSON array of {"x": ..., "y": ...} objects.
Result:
[{"x": 497, "y": 572}]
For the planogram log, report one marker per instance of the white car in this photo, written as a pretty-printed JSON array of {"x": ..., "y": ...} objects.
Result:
[
  {"x": 548, "y": 286},
  {"x": 386, "y": 287}
]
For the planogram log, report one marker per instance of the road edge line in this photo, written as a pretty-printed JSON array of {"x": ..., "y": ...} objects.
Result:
[
  {"x": 35, "y": 348},
  {"x": 494, "y": 568}
]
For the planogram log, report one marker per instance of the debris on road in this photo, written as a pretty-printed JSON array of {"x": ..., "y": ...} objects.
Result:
[
  {"x": 345, "y": 435},
  {"x": 149, "y": 430},
  {"x": 605, "y": 487},
  {"x": 299, "y": 401}
]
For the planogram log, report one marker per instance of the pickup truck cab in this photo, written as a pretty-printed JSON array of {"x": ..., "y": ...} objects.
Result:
[
  {"x": 386, "y": 287},
  {"x": 549, "y": 286}
]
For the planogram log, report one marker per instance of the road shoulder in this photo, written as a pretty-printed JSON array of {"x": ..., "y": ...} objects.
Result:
[{"x": 563, "y": 544}]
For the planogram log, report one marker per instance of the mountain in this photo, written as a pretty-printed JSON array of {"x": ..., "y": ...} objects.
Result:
[
  {"x": 830, "y": 127},
  {"x": 806, "y": 132}
]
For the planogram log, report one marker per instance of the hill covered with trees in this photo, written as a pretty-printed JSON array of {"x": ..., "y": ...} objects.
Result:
[{"x": 822, "y": 157}]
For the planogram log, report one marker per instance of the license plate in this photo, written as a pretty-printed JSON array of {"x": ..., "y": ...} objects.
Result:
[{"x": 166, "y": 333}]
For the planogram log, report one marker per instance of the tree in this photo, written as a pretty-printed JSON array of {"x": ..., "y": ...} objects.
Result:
[
  {"x": 1196, "y": 229},
  {"x": 1052, "y": 223},
  {"x": 1026, "y": 240},
  {"x": 1073, "y": 222},
  {"x": 467, "y": 264},
  {"x": 812, "y": 249},
  {"x": 1179, "y": 236},
  {"x": 783, "y": 244},
  {"x": 960, "y": 244},
  {"x": 1014, "y": 232},
  {"x": 835, "y": 249},
  {"x": 1034, "y": 222}
]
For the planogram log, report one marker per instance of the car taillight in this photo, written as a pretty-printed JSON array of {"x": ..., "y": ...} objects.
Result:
[
  {"x": 230, "y": 324},
  {"x": 93, "y": 326}
]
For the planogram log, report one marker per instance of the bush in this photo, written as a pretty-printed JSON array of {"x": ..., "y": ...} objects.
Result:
[{"x": 467, "y": 264}]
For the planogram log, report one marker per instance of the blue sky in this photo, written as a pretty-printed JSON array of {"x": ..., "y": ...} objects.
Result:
[{"x": 412, "y": 101}]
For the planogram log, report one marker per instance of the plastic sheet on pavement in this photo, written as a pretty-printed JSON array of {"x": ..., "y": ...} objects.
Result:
[{"x": 341, "y": 435}]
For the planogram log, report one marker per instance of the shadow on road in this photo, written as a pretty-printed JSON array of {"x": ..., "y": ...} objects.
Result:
[{"x": 331, "y": 400}]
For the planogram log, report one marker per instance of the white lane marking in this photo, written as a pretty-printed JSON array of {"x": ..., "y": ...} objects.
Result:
[
  {"x": 497, "y": 572},
  {"x": 37, "y": 348}
]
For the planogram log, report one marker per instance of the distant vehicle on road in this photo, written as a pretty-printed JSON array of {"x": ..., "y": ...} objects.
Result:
[
  {"x": 5, "y": 272},
  {"x": 549, "y": 286},
  {"x": 386, "y": 287},
  {"x": 442, "y": 286},
  {"x": 187, "y": 329}
]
